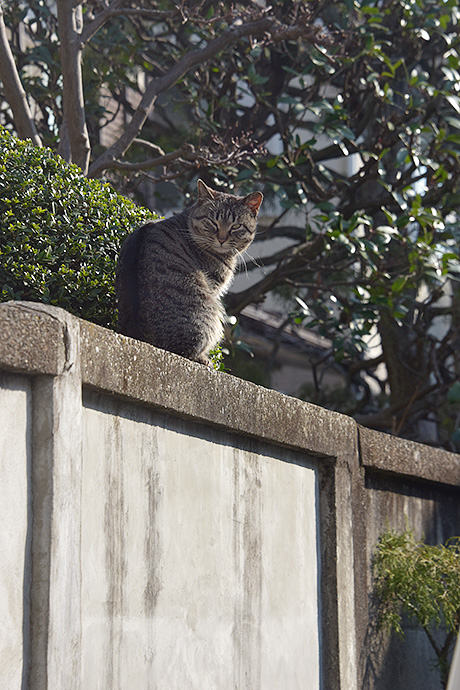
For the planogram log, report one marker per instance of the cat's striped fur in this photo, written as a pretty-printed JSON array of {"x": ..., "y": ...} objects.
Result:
[{"x": 171, "y": 274}]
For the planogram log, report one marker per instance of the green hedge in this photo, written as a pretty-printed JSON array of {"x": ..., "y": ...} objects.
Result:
[{"x": 60, "y": 233}]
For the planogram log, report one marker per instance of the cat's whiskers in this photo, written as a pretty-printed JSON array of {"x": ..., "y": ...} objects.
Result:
[
  {"x": 244, "y": 255},
  {"x": 243, "y": 263},
  {"x": 252, "y": 259}
]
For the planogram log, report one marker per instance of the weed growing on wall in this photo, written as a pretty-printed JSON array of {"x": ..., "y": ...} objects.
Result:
[{"x": 422, "y": 581}]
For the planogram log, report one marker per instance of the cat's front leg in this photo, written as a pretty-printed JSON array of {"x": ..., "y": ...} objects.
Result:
[{"x": 202, "y": 359}]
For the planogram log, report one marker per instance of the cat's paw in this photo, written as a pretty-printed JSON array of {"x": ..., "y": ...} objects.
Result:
[{"x": 202, "y": 359}]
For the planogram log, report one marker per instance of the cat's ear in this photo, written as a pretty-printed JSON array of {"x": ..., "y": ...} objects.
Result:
[
  {"x": 205, "y": 193},
  {"x": 253, "y": 201}
]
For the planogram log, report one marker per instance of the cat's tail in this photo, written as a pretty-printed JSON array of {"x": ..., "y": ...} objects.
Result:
[{"x": 127, "y": 283}]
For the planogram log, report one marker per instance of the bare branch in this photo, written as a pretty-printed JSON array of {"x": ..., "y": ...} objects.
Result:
[
  {"x": 14, "y": 91},
  {"x": 186, "y": 151},
  {"x": 160, "y": 178},
  {"x": 100, "y": 19},
  {"x": 386, "y": 418},
  {"x": 149, "y": 145},
  {"x": 188, "y": 157},
  {"x": 364, "y": 364},
  {"x": 233, "y": 34}
]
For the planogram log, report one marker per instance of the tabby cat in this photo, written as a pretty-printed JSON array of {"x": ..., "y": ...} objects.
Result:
[{"x": 172, "y": 273}]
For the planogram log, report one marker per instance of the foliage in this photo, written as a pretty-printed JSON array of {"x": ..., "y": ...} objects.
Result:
[
  {"x": 217, "y": 358},
  {"x": 60, "y": 233},
  {"x": 345, "y": 113},
  {"x": 422, "y": 581}
]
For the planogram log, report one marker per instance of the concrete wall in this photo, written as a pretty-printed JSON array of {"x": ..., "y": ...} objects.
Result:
[
  {"x": 15, "y": 454},
  {"x": 168, "y": 526}
]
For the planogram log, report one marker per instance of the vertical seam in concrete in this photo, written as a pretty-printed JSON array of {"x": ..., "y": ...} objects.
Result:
[
  {"x": 115, "y": 555},
  {"x": 330, "y": 659},
  {"x": 247, "y": 554},
  {"x": 361, "y": 558},
  {"x": 42, "y": 499},
  {"x": 346, "y": 469},
  {"x": 65, "y": 628},
  {"x": 56, "y": 533},
  {"x": 27, "y": 581}
]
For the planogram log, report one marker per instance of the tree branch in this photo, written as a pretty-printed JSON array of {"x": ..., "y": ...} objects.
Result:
[
  {"x": 235, "y": 302},
  {"x": 232, "y": 35},
  {"x": 384, "y": 419},
  {"x": 433, "y": 643},
  {"x": 69, "y": 20},
  {"x": 188, "y": 156},
  {"x": 149, "y": 145},
  {"x": 364, "y": 364},
  {"x": 186, "y": 151},
  {"x": 14, "y": 91},
  {"x": 99, "y": 20}
]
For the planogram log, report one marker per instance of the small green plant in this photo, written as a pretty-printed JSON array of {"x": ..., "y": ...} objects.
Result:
[
  {"x": 60, "y": 233},
  {"x": 422, "y": 581},
  {"x": 217, "y": 358}
]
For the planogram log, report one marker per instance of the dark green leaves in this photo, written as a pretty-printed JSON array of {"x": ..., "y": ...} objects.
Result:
[{"x": 59, "y": 232}]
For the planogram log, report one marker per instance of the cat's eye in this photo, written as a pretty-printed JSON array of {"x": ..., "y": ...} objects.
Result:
[{"x": 236, "y": 226}]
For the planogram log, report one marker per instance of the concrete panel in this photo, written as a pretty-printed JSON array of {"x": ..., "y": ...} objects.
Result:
[
  {"x": 15, "y": 447},
  {"x": 199, "y": 557}
]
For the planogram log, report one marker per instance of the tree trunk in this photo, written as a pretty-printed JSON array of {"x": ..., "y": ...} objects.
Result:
[
  {"x": 70, "y": 25},
  {"x": 406, "y": 366},
  {"x": 14, "y": 91}
]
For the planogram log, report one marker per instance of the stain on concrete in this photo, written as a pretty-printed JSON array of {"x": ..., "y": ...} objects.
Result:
[
  {"x": 247, "y": 551},
  {"x": 115, "y": 560},
  {"x": 153, "y": 552},
  {"x": 152, "y": 544}
]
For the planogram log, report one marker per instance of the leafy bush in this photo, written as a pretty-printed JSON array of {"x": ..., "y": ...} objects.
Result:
[
  {"x": 60, "y": 233},
  {"x": 422, "y": 581}
]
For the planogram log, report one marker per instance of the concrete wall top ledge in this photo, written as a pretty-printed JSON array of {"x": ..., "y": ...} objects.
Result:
[
  {"x": 390, "y": 454},
  {"x": 136, "y": 370},
  {"x": 34, "y": 339}
]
